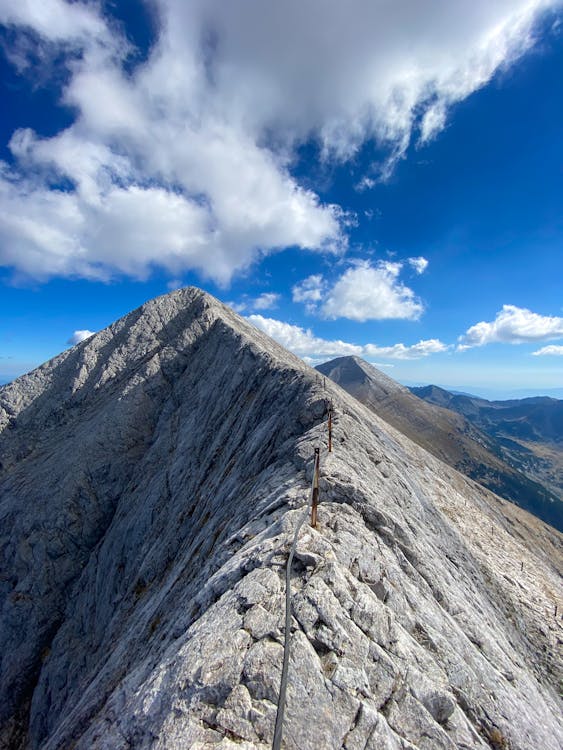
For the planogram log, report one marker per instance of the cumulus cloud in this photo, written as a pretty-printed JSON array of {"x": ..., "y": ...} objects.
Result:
[
  {"x": 419, "y": 264},
  {"x": 365, "y": 291},
  {"x": 305, "y": 344},
  {"x": 513, "y": 325},
  {"x": 79, "y": 336},
  {"x": 551, "y": 350},
  {"x": 371, "y": 292},
  {"x": 310, "y": 291},
  {"x": 185, "y": 162}
]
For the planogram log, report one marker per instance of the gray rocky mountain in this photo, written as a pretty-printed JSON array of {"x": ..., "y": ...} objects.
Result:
[
  {"x": 453, "y": 437},
  {"x": 151, "y": 481}
]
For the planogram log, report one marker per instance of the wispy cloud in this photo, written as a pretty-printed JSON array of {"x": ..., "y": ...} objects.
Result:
[
  {"x": 555, "y": 350},
  {"x": 513, "y": 325},
  {"x": 266, "y": 301},
  {"x": 304, "y": 343},
  {"x": 75, "y": 24},
  {"x": 399, "y": 351}
]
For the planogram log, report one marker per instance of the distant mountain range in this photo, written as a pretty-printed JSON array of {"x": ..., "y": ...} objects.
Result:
[
  {"x": 529, "y": 431},
  {"x": 510, "y": 447},
  {"x": 492, "y": 393},
  {"x": 539, "y": 419}
]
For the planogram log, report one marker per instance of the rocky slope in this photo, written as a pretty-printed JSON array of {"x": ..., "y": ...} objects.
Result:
[
  {"x": 448, "y": 435},
  {"x": 150, "y": 483},
  {"x": 529, "y": 430}
]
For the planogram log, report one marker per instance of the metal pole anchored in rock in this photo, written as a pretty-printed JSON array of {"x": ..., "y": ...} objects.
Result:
[
  {"x": 330, "y": 428},
  {"x": 315, "y": 496}
]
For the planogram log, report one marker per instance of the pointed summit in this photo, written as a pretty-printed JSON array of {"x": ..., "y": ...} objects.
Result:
[
  {"x": 356, "y": 375},
  {"x": 154, "y": 341}
]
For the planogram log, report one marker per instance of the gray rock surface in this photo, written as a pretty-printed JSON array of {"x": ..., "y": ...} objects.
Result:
[{"x": 151, "y": 479}]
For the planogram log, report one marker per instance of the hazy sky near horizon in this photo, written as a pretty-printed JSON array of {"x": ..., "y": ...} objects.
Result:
[{"x": 370, "y": 178}]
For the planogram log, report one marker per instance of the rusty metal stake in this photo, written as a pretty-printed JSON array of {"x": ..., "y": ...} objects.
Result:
[
  {"x": 315, "y": 497},
  {"x": 330, "y": 429}
]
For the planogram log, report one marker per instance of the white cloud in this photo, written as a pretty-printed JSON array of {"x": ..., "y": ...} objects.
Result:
[
  {"x": 266, "y": 301},
  {"x": 55, "y": 20},
  {"x": 238, "y": 307},
  {"x": 303, "y": 342},
  {"x": 312, "y": 348},
  {"x": 174, "y": 284},
  {"x": 400, "y": 351},
  {"x": 160, "y": 175},
  {"x": 419, "y": 264},
  {"x": 513, "y": 325},
  {"x": 433, "y": 121},
  {"x": 552, "y": 349},
  {"x": 79, "y": 336},
  {"x": 184, "y": 163},
  {"x": 366, "y": 183},
  {"x": 309, "y": 291},
  {"x": 45, "y": 233},
  {"x": 371, "y": 292}
]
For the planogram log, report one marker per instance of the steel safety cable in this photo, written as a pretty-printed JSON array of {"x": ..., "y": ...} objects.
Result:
[{"x": 278, "y": 730}]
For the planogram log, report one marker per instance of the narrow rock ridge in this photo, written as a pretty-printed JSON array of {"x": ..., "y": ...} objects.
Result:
[{"x": 150, "y": 483}]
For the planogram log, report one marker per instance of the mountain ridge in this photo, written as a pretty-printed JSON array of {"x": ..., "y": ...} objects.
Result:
[{"x": 148, "y": 501}]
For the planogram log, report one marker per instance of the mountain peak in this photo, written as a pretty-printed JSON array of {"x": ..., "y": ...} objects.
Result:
[
  {"x": 152, "y": 480},
  {"x": 353, "y": 373},
  {"x": 154, "y": 340}
]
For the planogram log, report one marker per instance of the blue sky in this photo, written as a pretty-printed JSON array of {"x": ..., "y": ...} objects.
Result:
[{"x": 363, "y": 178}]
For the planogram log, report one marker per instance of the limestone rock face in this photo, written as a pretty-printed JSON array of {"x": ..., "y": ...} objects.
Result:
[{"x": 151, "y": 479}]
